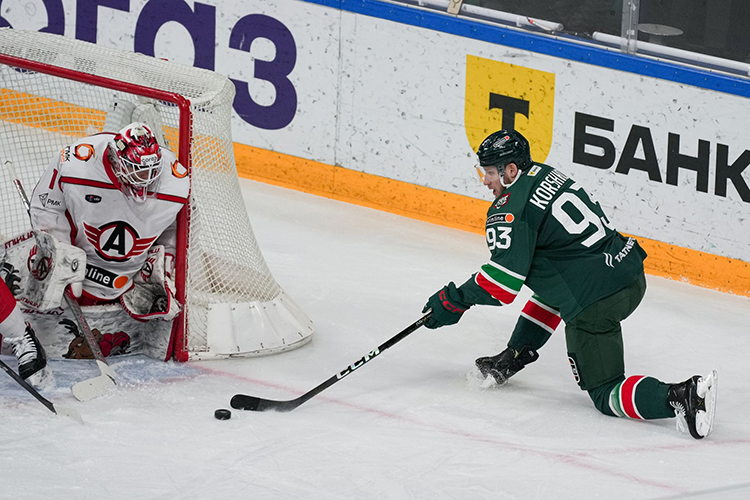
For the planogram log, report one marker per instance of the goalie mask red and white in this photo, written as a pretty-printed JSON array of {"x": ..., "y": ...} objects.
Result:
[{"x": 137, "y": 160}]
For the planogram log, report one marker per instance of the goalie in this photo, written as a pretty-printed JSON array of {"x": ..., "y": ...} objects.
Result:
[
  {"x": 116, "y": 196},
  {"x": 109, "y": 195}
]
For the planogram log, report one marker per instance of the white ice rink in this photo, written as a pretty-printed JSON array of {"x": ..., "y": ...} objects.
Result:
[{"x": 408, "y": 425}]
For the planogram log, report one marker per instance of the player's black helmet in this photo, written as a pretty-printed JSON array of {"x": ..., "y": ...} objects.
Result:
[{"x": 503, "y": 147}]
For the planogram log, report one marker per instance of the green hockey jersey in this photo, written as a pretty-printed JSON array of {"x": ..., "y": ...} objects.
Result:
[{"x": 547, "y": 232}]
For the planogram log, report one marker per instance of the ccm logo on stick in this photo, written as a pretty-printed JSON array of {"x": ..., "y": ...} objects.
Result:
[{"x": 367, "y": 357}]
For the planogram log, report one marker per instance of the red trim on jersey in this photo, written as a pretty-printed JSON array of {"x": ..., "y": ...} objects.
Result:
[
  {"x": 90, "y": 300},
  {"x": 499, "y": 293},
  {"x": 87, "y": 182},
  {"x": 551, "y": 319},
  {"x": 52, "y": 182},
  {"x": 627, "y": 396},
  {"x": 73, "y": 228},
  {"x": 7, "y": 302},
  {"x": 170, "y": 197},
  {"x": 109, "y": 170}
]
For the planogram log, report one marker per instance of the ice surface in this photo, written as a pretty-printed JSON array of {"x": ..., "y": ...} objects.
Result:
[{"x": 408, "y": 424}]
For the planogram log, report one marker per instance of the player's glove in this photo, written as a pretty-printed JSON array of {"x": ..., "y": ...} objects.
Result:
[{"x": 447, "y": 307}]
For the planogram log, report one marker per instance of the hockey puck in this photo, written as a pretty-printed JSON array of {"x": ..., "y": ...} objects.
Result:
[{"x": 222, "y": 414}]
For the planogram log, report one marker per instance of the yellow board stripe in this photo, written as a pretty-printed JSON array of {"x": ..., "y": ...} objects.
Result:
[{"x": 463, "y": 212}]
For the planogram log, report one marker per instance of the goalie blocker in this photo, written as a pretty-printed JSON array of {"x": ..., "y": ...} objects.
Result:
[{"x": 37, "y": 267}]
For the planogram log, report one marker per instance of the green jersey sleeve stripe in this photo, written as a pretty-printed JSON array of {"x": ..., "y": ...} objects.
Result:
[{"x": 504, "y": 277}]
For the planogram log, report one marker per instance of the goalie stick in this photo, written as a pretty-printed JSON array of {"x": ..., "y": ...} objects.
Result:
[
  {"x": 57, "y": 410},
  {"x": 107, "y": 381},
  {"x": 252, "y": 403}
]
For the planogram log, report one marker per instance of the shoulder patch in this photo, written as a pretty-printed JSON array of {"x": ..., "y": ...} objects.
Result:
[
  {"x": 84, "y": 152},
  {"x": 502, "y": 200},
  {"x": 178, "y": 170},
  {"x": 500, "y": 219},
  {"x": 534, "y": 170}
]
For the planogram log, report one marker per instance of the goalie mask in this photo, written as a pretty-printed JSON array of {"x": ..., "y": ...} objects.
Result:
[{"x": 136, "y": 160}]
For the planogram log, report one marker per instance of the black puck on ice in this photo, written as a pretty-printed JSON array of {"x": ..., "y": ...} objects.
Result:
[{"x": 222, "y": 414}]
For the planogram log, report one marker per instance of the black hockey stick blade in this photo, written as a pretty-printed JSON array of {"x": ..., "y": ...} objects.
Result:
[
  {"x": 57, "y": 410},
  {"x": 252, "y": 403}
]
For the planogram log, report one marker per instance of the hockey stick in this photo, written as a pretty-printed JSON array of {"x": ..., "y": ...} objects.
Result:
[
  {"x": 57, "y": 410},
  {"x": 96, "y": 386},
  {"x": 107, "y": 381},
  {"x": 252, "y": 403}
]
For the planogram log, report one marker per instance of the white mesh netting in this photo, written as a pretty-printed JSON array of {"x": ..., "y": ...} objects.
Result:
[{"x": 41, "y": 113}]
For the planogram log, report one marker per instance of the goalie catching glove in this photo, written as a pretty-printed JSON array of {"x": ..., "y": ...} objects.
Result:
[
  {"x": 37, "y": 267},
  {"x": 153, "y": 292},
  {"x": 448, "y": 305}
]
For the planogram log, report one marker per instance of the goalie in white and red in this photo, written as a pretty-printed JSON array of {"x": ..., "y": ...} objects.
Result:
[
  {"x": 117, "y": 196},
  {"x": 106, "y": 208}
]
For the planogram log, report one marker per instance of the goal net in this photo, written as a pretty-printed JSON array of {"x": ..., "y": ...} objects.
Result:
[{"x": 56, "y": 90}]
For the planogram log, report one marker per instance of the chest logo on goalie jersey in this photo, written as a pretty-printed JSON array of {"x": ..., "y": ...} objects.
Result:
[{"x": 117, "y": 241}]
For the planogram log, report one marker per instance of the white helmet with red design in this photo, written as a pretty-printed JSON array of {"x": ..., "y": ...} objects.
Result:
[{"x": 136, "y": 160}]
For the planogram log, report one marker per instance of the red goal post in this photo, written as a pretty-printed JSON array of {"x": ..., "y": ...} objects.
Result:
[{"x": 57, "y": 90}]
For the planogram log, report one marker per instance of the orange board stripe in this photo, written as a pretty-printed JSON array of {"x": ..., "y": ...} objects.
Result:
[{"x": 462, "y": 212}]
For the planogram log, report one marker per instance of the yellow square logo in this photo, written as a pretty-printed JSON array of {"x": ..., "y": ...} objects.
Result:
[{"x": 501, "y": 95}]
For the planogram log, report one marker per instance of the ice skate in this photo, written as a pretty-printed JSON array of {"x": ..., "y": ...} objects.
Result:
[
  {"x": 32, "y": 360},
  {"x": 506, "y": 364},
  {"x": 694, "y": 403}
]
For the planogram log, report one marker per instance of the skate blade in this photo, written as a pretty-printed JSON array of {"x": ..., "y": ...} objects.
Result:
[
  {"x": 707, "y": 387},
  {"x": 489, "y": 382},
  {"x": 42, "y": 379},
  {"x": 477, "y": 380}
]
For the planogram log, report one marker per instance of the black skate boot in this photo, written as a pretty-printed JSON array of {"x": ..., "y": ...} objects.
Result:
[
  {"x": 32, "y": 360},
  {"x": 506, "y": 364},
  {"x": 694, "y": 403}
]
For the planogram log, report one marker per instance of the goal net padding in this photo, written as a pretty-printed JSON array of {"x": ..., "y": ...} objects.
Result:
[{"x": 56, "y": 90}]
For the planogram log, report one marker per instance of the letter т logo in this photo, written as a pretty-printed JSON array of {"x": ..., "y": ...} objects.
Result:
[{"x": 501, "y": 95}]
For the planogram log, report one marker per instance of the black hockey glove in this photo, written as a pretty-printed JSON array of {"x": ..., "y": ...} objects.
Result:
[{"x": 447, "y": 307}]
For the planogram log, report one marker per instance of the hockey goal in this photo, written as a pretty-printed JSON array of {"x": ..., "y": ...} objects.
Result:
[{"x": 56, "y": 90}]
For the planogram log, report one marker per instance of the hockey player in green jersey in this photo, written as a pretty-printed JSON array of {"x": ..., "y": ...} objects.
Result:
[{"x": 546, "y": 232}]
